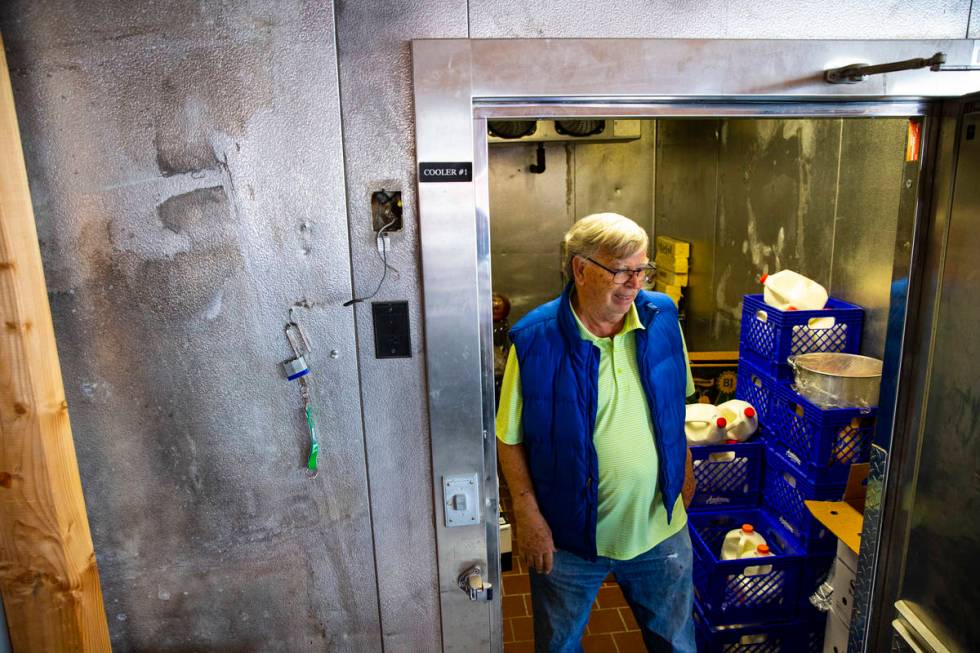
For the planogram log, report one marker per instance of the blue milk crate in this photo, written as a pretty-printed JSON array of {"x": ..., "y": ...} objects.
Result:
[
  {"x": 814, "y": 572},
  {"x": 796, "y": 636},
  {"x": 758, "y": 387},
  {"x": 774, "y": 335},
  {"x": 824, "y": 442},
  {"x": 785, "y": 489},
  {"x": 727, "y": 593},
  {"x": 727, "y": 475}
]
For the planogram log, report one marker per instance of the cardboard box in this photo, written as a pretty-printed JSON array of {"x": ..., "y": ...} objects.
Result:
[
  {"x": 847, "y": 557},
  {"x": 672, "y": 291},
  {"x": 845, "y": 573},
  {"x": 672, "y": 263},
  {"x": 669, "y": 278},
  {"x": 845, "y": 519},
  {"x": 835, "y": 635},
  {"x": 673, "y": 247}
]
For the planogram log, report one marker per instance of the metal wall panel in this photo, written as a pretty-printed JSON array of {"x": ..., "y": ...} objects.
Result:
[
  {"x": 529, "y": 213},
  {"x": 776, "y": 186},
  {"x": 707, "y": 68},
  {"x": 376, "y": 91},
  {"x": 686, "y": 204},
  {"x": 186, "y": 171},
  {"x": 751, "y": 197},
  {"x": 870, "y": 186},
  {"x": 617, "y": 177},
  {"x": 776, "y": 206},
  {"x": 784, "y": 19}
]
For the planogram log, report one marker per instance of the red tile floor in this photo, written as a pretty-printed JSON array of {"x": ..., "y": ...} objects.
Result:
[{"x": 611, "y": 629}]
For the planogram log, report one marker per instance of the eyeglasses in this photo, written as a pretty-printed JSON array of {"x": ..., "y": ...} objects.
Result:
[{"x": 647, "y": 273}]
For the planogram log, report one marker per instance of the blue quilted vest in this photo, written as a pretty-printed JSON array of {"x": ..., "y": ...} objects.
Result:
[{"x": 560, "y": 390}]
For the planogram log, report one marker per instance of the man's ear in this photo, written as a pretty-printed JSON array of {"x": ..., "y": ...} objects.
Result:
[{"x": 578, "y": 269}]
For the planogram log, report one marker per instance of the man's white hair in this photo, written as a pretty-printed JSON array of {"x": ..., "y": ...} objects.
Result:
[{"x": 612, "y": 234}]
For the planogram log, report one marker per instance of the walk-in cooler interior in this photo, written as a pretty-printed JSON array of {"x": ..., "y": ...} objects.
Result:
[{"x": 820, "y": 196}]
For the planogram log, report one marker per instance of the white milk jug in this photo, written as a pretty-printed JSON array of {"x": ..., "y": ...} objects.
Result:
[
  {"x": 751, "y": 590},
  {"x": 740, "y": 541},
  {"x": 790, "y": 291},
  {"x": 703, "y": 424},
  {"x": 761, "y": 551},
  {"x": 741, "y": 419}
]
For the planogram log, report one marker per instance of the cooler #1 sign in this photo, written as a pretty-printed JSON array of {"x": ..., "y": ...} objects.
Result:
[{"x": 443, "y": 172}]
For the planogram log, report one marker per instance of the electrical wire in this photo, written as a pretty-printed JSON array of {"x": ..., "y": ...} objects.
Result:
[{"x": 384, "y": 262}]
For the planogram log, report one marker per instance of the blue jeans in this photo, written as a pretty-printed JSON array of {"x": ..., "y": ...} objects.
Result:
[{"x": 657, "y": 585}]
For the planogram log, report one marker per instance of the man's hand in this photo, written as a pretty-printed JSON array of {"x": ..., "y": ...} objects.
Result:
[
  {"x": 532, "y": 531},
  {"x": 534, "y": 538},
  {"x": 689, "y": 483}
]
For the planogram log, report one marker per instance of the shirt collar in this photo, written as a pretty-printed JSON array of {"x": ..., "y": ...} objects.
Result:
[{"x": 631, "y": 323}]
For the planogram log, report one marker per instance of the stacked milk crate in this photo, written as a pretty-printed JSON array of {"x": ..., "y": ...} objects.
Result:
[{"x": 801, "y": 452}]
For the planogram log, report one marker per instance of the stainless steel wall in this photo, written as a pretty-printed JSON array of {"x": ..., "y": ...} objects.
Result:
[
  {"x": 816, "y": 196},
  {"x": 192, "y": 177},
  {"x": 529, "y": 213},
  {"x": 187, "y": 175}
]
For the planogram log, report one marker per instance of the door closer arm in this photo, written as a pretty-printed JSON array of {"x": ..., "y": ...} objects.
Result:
[{"x": 857, "y": 72}]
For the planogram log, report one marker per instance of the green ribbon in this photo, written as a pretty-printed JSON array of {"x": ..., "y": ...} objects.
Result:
[{"x": 314, "y": 443}]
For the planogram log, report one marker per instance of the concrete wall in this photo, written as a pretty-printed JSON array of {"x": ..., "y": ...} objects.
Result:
[{"x": 198, "y": 167}]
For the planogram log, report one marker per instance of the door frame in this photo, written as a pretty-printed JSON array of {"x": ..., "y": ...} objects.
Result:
[{"x": 460, "y": 83}]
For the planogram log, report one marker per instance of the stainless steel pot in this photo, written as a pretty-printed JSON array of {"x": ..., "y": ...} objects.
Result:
[{"x": 837, "y": 380}]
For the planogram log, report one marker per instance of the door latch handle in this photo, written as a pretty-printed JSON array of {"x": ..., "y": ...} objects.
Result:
[{"x": 471, "y": 582}]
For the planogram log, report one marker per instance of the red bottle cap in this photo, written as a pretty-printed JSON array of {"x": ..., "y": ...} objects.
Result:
[
  {"x": 731, "y": 441},
  {"x": 763, "y": 549},
  {"x": 748, "y": 528},
  {"x": 790, "y": 308},
  {"x": 763, "y": 278},
  {"x": 750, "y": 412},
  {"x": 722, "y": 422}
]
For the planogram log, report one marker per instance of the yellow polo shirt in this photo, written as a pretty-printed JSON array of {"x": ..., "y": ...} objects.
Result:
[{"x": 632, "y": 515}]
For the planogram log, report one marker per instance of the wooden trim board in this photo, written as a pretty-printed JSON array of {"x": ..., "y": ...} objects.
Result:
[{"x": 48, "y": 574}]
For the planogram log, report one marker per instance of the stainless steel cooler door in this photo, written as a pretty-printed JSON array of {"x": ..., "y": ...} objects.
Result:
[{"x": 940, "y": 489}]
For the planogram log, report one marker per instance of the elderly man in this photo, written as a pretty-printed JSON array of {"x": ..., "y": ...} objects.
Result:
[{"x": 591, "y": 442}]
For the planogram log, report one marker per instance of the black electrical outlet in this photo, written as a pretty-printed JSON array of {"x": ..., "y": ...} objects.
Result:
[{"x": 392, "y": 338}]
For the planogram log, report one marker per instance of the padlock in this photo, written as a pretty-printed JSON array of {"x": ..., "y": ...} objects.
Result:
[
  {"x": 295, "y": 368},
  {"x": 471, "y": 582}
]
